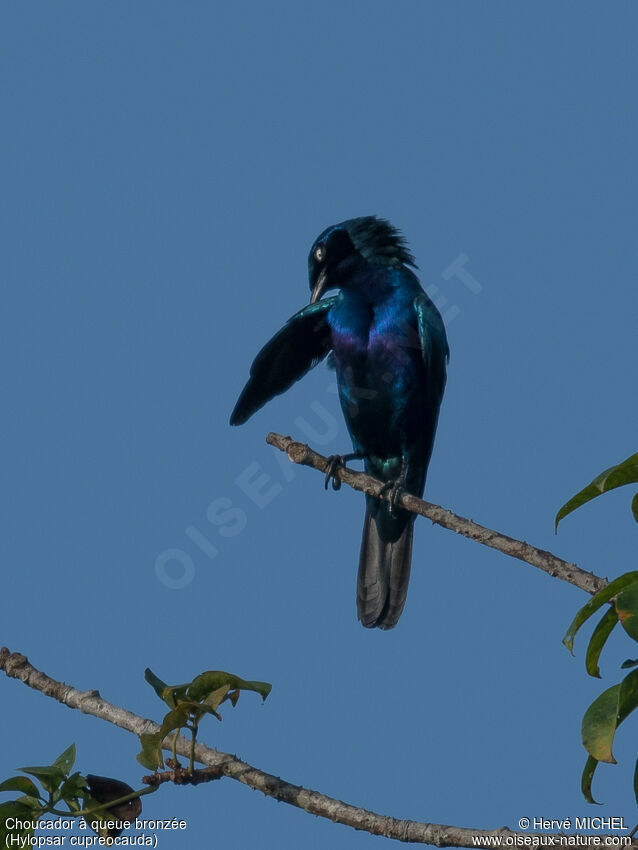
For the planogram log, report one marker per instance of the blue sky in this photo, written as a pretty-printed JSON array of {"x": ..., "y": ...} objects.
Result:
[{"x": 166, "y": 168}]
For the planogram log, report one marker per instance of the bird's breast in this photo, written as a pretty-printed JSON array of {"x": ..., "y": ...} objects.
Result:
[{"x": 379, "y": 371}]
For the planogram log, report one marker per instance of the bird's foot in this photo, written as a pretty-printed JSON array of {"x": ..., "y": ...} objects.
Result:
[
  {"x": 395, "y": 489},
  {"x": 333, "y": 463}
]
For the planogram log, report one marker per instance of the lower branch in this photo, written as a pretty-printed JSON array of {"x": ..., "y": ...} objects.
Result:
[
  {"x": 556, "y": 567},
  {"x": 17, "y": 666}
]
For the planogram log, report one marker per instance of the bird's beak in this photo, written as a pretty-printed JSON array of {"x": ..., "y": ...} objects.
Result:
[{"x": 320, "y": 286}]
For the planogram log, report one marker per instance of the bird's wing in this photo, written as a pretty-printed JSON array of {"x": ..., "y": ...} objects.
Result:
[
  {"x": 302, "y": 343},
  {"x": 434, "y": 348}
]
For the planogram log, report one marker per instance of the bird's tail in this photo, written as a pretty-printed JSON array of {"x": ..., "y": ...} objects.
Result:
[{"x": 384, "y": 565}]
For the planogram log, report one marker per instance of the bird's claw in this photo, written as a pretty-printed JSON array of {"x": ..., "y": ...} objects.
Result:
[
  {"x": 332, "y": 465},
  {"x": 396, "y": 490}
]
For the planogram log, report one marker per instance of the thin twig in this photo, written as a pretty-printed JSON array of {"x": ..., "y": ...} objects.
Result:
[
  {"x": 17, "y": 666},
  {"x": 178, "y": 775},
  {"x": 304, "y": 455}
]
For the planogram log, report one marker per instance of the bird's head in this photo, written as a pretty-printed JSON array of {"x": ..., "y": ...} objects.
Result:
[{"x": 343, "y": 248}]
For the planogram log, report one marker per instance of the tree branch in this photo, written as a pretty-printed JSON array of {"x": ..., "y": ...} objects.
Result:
[
  {"x": 556, "y": 567},
  {"x": 179, "y": 775},
  {"x": 17, "y": 666},
  {"x": 223, "y": 764}
]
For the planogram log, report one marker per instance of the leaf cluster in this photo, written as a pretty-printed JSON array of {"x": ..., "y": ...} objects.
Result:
[
  {"x": 616, "y": 476},
  {"x": 615, "y": 704},
  {"x": 188, "y": 704},
  {"x": 90, "y": 797}
]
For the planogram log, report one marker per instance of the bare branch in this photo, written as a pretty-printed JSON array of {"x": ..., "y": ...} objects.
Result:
[
  {"x": 556, "y": 567},
  {"x": 17, "y": 666},
  {"x": 179, "y": 775}
]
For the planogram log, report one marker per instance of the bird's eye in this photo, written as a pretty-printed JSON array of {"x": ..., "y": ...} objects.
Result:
[{"x": 320, "y": 253}]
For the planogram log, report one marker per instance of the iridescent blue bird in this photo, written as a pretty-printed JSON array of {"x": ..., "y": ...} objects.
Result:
[{"x": 387, "y": 342}]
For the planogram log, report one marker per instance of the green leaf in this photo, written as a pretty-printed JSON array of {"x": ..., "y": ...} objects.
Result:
[
  {"x": 205, "y": 709},
  {"x": 598, "y": 639},
  {"x": 74, "y": 787},
  {"x": 626, "y": 604},
  {"x": 628, "y": 698},
  {"x": 50, "y": 777},
  {"x": 14, "y": 809},
  {"x": 634, "y": 507},
  {"x": 175, "y": 719},
  {"x": 170, "y": 694},
  {"x": 630, "y": 662},
  {"x": 155, "y": 682},
  {"x": 214, "y": 699},
  {"x": 616, "y": 476},
  {"x": 36, "y": 806},
  {"x": 20, "y": 783},
  {"x": 65, "y": 760},
  {"x": 212, "y": 687},
  {"x": 604, "y": 595},
  {"x": 599, "y": 725},
  {"x": 151, "y": 753},
  {"x": 604, "y": 716},
  {"x": 204, "y": 684},
  {"x": 586, "y": 780}
]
